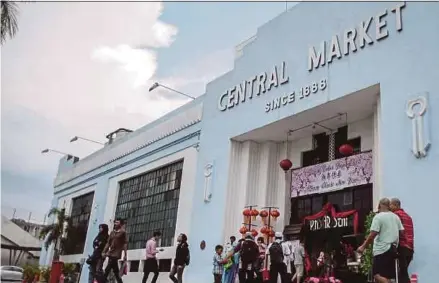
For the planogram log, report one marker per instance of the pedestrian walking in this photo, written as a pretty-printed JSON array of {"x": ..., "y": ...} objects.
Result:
[
  {"x": 117, "y": 243},
  {"x": 182, "y": 258},
  {"x": 151, "y": 263}
]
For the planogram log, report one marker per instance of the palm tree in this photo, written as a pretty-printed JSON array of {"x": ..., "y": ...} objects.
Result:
[
  {"x": 9, "y": 24},
  {"x": 53, "y": 233}
]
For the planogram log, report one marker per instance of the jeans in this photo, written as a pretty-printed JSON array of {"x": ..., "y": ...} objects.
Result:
[
  {"x": 278, "y": 268},
  {"x": 94, "y": 268},
  {"x": 151, "y": 265},
  {"x": 246, "y": 276},
  {"x": 405, "y": 256},
  {"x": 177, "y": 270},
  {"x": 113, "y": 264}
]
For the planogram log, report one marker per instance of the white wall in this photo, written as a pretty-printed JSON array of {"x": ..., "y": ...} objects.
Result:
[{"x": 256, "y": 178}]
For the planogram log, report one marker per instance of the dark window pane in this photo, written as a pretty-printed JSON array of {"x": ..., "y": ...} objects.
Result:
[
  {"x": 150, "y": 204},
  {"x": 79, "y": 219}
]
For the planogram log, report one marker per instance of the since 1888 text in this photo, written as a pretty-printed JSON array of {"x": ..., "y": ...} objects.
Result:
[{"x": 301, "y": 93}]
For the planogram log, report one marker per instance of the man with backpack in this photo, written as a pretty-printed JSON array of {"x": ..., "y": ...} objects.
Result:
[
  {"x": 249, "y": 253},
  {"x": 278, "y": 253}
]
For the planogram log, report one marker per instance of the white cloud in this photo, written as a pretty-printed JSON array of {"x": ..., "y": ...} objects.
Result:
[
  {"x": 140, "y": 62},
  {"x": 71, "y": 71}
]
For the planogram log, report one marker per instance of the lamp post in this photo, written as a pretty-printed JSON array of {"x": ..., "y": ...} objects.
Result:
[
  {"x": 47, "y": 150},
  {"x": 75, "y": 138},
  {"x": 156, "y": 85}
]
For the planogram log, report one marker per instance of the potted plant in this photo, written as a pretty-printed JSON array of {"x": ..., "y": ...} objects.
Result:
[
  {"x": 45, "y": 274},
  {"x": 367, "y": 257},
  {"x": 29, "y": 272}
]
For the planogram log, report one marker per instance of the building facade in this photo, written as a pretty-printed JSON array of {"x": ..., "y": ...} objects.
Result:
[
  {"x": 314, "y": 78},
  {"x": 142, "y": 177}
]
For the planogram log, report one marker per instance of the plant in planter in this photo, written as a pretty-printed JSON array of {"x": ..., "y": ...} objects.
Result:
[
  {"x": 45, "y": 274},
  {"x": 54, "y": 233},
  {"x": 366, "y": 262},
  {"x": 29, "y": 272}
]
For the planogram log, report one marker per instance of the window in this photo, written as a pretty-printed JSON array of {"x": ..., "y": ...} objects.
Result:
[
  {"x": 79, "y": 218},
  {"x": 149, "y": 203}
]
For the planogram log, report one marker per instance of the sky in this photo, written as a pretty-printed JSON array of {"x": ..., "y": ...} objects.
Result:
[{"x": 85, "y": 68}]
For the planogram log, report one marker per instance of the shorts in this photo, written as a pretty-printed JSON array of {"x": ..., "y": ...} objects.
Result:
[
  {"x": 299, "y": 269},
  {"x": 384, "y": 264}
]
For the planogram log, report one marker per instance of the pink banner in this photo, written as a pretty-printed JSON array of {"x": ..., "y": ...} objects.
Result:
[{"x": 333, "y": 175}]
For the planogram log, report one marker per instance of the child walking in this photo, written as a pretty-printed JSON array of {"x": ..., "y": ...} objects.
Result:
[{"x": 218, "y": 264}]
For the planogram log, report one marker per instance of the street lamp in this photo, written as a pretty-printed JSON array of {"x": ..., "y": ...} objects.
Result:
[
  {"x": 156, "y": 85},
  {"x": 47, "y": 150},
  {"x": 75, "y": 138}
]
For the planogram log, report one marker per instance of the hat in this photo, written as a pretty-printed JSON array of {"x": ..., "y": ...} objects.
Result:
[
  {"x": 249, "y": 235},
  {"x": 278, "y": 235}
]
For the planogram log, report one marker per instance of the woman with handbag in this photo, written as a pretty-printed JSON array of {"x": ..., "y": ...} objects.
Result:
[{"x": 95, "y": 261}]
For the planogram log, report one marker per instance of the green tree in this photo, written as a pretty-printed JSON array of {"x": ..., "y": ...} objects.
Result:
[
  {"x": 53, "y": 233},
  {"x": 9, "y": 23}
]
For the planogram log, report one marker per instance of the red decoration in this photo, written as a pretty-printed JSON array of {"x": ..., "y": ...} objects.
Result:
[
  {"x": 271, "y": 233},
  {"x": 275, "y": 214},
  {"x": 243, "y": 230},
  {"x": 346, "y": 149},
  {"x": 329, "y": 209},
  {"x": 264, "y": 230},
  {"x": 286, "y": 164},
  {"x": 254, "y": 213},
  {"x": 254, "y": 232},
  {"x": 247, "y": 212},
  {"x": 263, "y": 213}
]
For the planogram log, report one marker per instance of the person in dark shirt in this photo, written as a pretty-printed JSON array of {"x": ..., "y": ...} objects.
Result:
[
  {"x": 181, "y": 259},
  {"x": 95, "y": 260},
  {"x": 117, "y": 242}
]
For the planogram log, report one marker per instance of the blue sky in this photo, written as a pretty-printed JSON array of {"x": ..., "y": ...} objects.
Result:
[{"x": 84, "y": 69}]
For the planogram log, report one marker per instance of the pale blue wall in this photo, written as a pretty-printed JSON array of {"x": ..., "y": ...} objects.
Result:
[
  {"x": 404, "y": 64},
  {"x": 100, "y": 177}
]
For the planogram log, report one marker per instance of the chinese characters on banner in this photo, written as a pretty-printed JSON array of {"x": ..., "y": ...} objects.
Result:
[{"x": 333, "y": 175}]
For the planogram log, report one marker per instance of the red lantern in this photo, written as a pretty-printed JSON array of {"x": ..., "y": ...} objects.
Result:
[
  {"x": 271, "y": 233},
  {"x": 243, "y": 230},
  {"x": 346, "y": 149},
  {"x": 254, "y": 232},
  {"x": 286, "y": 164},
  {"x": 264, "y": 230},
  {"x": 275, "y": 214},
  {"x": 247, "y": 212},
  {"x": 254, "y": 213},
  {"x": 263, "y": 213}
]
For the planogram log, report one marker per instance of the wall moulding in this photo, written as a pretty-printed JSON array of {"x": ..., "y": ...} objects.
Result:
[{"x": 417, "y": 111}]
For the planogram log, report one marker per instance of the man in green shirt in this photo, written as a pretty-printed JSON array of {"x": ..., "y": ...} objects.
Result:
[{"x": 384, "y": 232}]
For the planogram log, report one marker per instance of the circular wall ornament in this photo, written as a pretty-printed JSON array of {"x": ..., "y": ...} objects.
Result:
[{"x": 202, "y": 245}]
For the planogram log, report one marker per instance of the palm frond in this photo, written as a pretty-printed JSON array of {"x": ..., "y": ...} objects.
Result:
[
  {"x": 46, "y": 230},
  {"x": 9, "y": 23},
  {"x": 55, "y": 211}
]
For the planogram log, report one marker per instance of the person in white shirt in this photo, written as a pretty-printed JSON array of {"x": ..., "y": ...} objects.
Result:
[
  {"x": 299, "y": 260},
  {"x": 280, "y": 253},
  {"x": 230, "y": 246}
]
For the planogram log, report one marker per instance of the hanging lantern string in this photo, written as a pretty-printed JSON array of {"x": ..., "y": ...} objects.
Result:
[{"x": 317, "y": 123}]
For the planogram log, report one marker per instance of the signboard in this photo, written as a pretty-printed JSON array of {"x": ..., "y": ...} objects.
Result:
[
  {"x": 328, "y": 222},
  {"x": 334, "y": 175},
  {"x": 319, "y": 56}
]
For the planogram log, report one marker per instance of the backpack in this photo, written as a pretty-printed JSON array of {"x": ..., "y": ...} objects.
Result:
[
  {"x": 249, "y": 252},
  {"x": 276, "y": 253}
]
